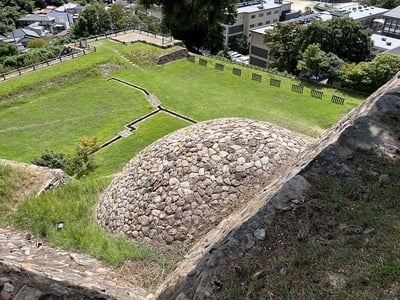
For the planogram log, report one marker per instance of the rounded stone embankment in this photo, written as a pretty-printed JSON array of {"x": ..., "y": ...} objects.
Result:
[{"x": 186, "y": 183}]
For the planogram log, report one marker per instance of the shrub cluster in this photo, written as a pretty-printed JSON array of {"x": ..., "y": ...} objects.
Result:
[
  {"x": 78, "y": 164},
  {"x": 33, "y": 56}
]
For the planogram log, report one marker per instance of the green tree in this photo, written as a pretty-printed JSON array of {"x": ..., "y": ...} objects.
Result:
[
  {"x": 240, "y": 45},
  {"x": 344, "y": 37},
  {"x": 311, "y": 59},
  {"x": 118, "y": 18},
  {"x": 44, "y": 3},
  {"x": 193, "y": 20},
  {"x": 8, "y": 16},
  {"x": 81, "y": 161},
  {"x": 369, "y": 76},
  {"x": 214, "y": 40},
  {"x": 133, "y": 20},
  {"x": 50, "y": 159},
  {"x": 284, "y": 45},
  {"x": 77, "y": 164},
  {"x": 94, "y": 20},
  {"x": 331, "y": 66},
  {"x": 38, "y": 43},
  {"x": 7, "y": 50},
  {"x": 315, "y": 60}
]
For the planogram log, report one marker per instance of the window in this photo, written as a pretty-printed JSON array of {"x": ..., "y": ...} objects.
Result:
[
  {"x": 261, "y": 15},
  {"x": 252, "y": 26},
  {"x": 268, "y": 22},
  {"x": 253, "y": 16},
  {"x": 275, "y": 21},
  {"x": 235, "y": 29},
  {"x": 259, "y": 24},
  {"x": 268, "y": 13},
  {"x": 276, "y": 12}
]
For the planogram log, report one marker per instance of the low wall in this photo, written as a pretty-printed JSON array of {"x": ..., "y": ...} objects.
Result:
[
  {"x": 193, "y": 278},
  {"x": 178, "y": 54}
]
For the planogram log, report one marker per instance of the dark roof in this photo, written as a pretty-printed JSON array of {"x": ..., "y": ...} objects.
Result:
[
  {"x": 67, "y": 16},
  {"x": 393, "y": 13},
  {"x": 22, "y": 32}
]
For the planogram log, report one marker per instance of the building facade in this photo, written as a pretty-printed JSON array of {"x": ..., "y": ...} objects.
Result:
[
  {"x": 391, "y": 25},
  {"x": 255, "y": 14}
]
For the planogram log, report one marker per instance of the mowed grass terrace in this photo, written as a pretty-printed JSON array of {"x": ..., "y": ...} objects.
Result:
[{"x": 52, "y": 108}]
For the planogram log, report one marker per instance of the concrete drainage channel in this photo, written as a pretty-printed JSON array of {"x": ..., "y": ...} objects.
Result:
[{"x": 154, "y": 101}]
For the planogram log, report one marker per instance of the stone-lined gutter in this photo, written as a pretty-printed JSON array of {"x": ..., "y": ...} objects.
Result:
[{"x": 154, "y": 101}]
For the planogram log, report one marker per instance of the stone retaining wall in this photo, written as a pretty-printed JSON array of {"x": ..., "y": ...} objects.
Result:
[
  {"x": 38, "y": 179},
  {"x": 167, "y": 58},
  {"x": 195, "y": 178}
]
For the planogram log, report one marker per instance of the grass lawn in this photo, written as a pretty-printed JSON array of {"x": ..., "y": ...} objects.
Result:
[
  {"x": 54, "y": 107},
  {"x": 56, "y": 118},
  {"x": 112, "y": 159},
  {"x": 205, "y": 93}
]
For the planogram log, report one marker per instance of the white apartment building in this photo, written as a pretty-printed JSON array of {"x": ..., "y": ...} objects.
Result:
[{"x": 255, "y": 14}]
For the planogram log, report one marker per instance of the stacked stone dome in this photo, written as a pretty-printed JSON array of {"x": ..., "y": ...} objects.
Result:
[{"x": 187, "y": 182}]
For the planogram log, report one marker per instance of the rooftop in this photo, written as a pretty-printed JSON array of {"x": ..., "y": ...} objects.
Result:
[
  {"x": 394, "y": 13},
  {"x": 255, "y": 6},
  {"x": 66, "y": 6},
  {"x": 36, "y": 18},
  {"x": 385, "y": 43},
  {"x": 357, "y": 11}
]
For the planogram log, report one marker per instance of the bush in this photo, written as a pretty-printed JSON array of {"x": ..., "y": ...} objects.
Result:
[
  {"x": 78, "y": 164},
  {"x": 51, "y": 160},
  {"x": 81, "y": 162},
  {"x": 38, "y": 43}
]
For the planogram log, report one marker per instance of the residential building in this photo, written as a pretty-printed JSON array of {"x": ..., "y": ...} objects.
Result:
[
  {"x": 48, "y": 23},
  {"x": 70, "y": 8},
  {"x": 255, "y": 14},
  {"x": 20, "y": 38},
  {"x": 63, "y": 20}
]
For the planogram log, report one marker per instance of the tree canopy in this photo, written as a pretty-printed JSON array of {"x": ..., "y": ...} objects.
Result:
[
  {"x": 314, "y": 60},
  {"x": 93, "y": 20},
  {"x": 195, "y": 21},
  {"x": 339, "y": 39},
  {"x": 369, "y": 76},
  {"x": 344, "y": 37},
  {"x": 284, "y": 42}
]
